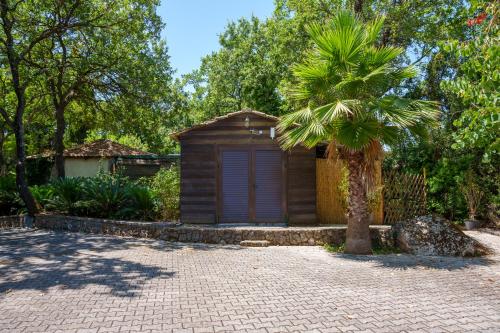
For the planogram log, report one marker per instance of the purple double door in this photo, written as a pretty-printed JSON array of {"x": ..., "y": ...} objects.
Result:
[{"x": 251, "y": 185}]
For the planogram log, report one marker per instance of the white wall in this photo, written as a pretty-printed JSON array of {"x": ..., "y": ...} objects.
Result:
[{"x": 80, "y": 167}]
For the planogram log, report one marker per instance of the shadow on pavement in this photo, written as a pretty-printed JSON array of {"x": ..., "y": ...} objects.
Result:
[
  {"x": 39, "y": 260},
  {"x": 407, "y": 261}
]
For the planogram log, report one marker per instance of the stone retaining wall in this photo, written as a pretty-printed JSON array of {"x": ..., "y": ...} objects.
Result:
[
  {"x": 209, "y": 234},
  {"x": 14, "y": 221}
]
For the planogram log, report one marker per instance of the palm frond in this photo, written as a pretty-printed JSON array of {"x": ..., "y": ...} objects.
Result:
[
  {"x": 329, "y": 112},
  {"x": 298, "y": 135},
  {"x": 346, "y": 82},
  {"x": 373, "y": 29},
  {"x": 311, "y": 70},
  {"x": 356, "y": 134},
  {"x": 389, "y": 135},
  {"x": 293, "y": 119},
  {"x": 376, "y": 56},
  {"x": 401, "y": 74},
  {"x": 420, "y": 130},
  {"x": 342, "y": 42},
  {"x": 405, "y": 113}
]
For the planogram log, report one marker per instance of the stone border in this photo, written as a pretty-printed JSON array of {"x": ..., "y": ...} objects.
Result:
[
  {"x": 12, "y": 221},
  {"x": 210, "y": 234}
]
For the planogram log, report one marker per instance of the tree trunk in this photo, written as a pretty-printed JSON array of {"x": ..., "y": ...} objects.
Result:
[
  {"x": 17, "y": 123},
  {"x": 358, "y": 6},
  {"x": 3, "y": 162},
  {"x": 358, "y": 230},
  {"x": 59, "y": 141},
  {"x": 22, "y": 185}
]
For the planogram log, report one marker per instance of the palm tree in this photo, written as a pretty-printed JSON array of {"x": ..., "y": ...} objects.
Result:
[{"x": 346, "y": 84}]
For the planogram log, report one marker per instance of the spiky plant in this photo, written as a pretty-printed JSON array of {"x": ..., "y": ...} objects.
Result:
[{"x": 346, "y": 84}]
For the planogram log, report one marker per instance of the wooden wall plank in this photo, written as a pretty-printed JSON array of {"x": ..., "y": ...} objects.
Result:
[
  {"x": 301, "y": 174},
  {"x": 198, "y": 183}
]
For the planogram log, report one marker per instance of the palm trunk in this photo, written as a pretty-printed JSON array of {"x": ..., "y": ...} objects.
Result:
[
  {"x": 358, "y": 230},
  {"x": 59, "y": 141}
]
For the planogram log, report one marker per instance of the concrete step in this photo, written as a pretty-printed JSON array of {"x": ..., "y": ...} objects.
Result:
[{"x": 255, "y": 243}]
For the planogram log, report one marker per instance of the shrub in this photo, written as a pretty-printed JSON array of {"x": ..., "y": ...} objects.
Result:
[
  {"x": 141, "y": 203},
  {"x": 165, "y": 185},
  {"x": 472, "y": 193},
  {"x": 105, "y": 195},
  {"x": 43, "y": 194},
  {"x": 62, "y": 195},
  {"x": 38, "y": 170},
  {"x": 10, "y": 202}
]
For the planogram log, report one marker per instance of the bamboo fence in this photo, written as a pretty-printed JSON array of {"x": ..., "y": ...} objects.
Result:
[
  {"x": 401, "y": 196},
  {"x": 331, "y": 206}
]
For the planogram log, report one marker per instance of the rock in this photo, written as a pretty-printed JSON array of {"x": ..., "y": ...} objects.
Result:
[{"x": 435, "y": 236}]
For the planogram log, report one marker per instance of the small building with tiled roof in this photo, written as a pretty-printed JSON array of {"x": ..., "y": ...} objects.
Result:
[
  {"x": 88, "y": 159},
  {"x": 104, "y": 148}
]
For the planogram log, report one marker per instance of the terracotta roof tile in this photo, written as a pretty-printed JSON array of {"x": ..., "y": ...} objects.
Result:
[{"x": 99, "y": 148}]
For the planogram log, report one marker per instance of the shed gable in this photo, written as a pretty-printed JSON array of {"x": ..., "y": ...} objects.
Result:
[{"x": 244, "y": 126}]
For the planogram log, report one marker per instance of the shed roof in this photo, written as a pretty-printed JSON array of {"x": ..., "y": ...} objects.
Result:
[
  {"x": 177, "y": 135},
  {"x": 98, "y": 148}
]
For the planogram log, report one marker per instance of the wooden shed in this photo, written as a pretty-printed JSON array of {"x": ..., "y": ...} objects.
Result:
[{"x": 234, "y": 171}]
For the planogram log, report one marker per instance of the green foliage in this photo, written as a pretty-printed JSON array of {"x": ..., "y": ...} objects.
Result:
[
  {"x": 10, "y": 202},
  {"x": 126, "y": 92},
  {"x": 476, "y": 85},
  {"x": 43, "y": 194},
  {"x": 243, "y": 74},
  {"x": 113, "y": 196},
  {"x": 382, "y": 249},
  {"x": 63, "y": 195},
  {"x": 109, "y": 69},
  {"x": 252, "y": 68},
  {"x": 345, "y": 86},
  {"x": 166, "y": 187},
  {"x": 38, "y": 170},
  {"x": 105, "y": 195},
  {"x": 446, "y": 198},
  {"x": 127, "y": 139},
  {"x": 334, "y": 248},
  {"x": 376, "y": 249},
  {"x": 465, "y": 73},
  {"x": 141, "y": 204},
  {"x": 472, "y": 194}
]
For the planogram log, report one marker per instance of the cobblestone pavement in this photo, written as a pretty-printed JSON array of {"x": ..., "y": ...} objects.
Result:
[{"x": 63, "y": 282}]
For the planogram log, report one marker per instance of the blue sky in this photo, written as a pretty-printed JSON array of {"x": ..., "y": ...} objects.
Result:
[{"x": 193, "y": 26}]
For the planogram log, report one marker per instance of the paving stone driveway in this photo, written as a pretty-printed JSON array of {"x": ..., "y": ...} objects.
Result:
[{"x": 63, "y": 282}]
